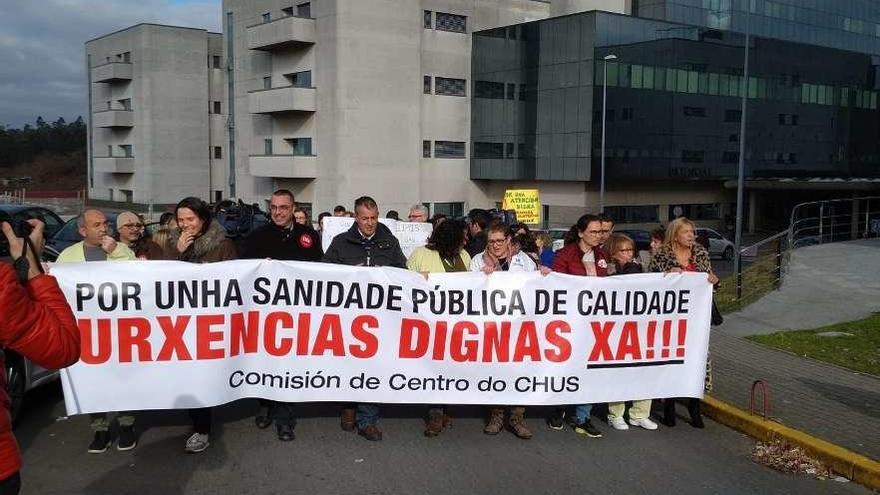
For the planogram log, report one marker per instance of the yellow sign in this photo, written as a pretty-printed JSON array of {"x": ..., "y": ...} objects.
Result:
[{"x": 526, "y": 203}]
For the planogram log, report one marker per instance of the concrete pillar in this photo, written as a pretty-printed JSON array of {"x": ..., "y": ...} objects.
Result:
[{"x": 753, "y": 211}]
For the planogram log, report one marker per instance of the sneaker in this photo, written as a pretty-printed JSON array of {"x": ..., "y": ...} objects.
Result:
[
  {"x": 619, "y": 424},
  {"x": 101, "y": 442},
  {"x": 587, "y": 428},
  {"x": 557, "y": 420},
  {"x": 371, "y": 433},
  {"x": 644, "y": 423},
  {"x": 262, "y": 419},
  {"x": 197, "y": 442},
  {"x": 127, "y": 438},
  {"x": 285, "y": 432}
]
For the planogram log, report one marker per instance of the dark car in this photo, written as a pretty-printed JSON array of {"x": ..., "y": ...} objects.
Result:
[
  {"x": 642, "y": 238},
  {"x": 22, "y": 212}
]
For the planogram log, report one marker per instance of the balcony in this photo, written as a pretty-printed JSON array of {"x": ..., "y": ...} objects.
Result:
[
  {"x": 284, "y": 166},
  {"x": 285, "y": 99},
  {"x": 113, "y": 118},
  {"x": 281, "y": 33},
  {"x": 114, "y": 164},
  {"x": 111, "y": 72}
]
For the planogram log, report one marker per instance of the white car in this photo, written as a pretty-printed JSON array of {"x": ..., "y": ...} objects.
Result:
[
  {"x": 718, "y": 245},
  {"x": 558, "y": 236}
]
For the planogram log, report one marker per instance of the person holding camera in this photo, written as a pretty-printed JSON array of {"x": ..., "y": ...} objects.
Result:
[
  {"x": 36, "y": 322},
  {"x": 97, "y": 245}
]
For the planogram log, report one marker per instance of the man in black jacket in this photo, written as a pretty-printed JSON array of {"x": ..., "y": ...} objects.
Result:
[
  {"x": 283, "y": 239},
  {"x": 366, "y": 243}
]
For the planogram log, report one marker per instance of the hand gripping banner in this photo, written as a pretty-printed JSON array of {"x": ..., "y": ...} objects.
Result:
[{"x": 172, "y": 335}]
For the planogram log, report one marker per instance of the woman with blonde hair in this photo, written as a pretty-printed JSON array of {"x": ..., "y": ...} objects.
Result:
[{"x": 681, "y": 253}]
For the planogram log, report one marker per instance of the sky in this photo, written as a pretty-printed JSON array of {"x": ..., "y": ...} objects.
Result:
[{"x": 42, "y": 52}]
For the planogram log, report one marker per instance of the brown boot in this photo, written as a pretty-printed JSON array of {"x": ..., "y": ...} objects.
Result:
[
  {"x": 517, "y": 423},
  {"x": 434, "y": 425},
  {"x": 346, "y": 421},
  {"x": 496, "y": 421},
  {"x": 371, "y": 433}
]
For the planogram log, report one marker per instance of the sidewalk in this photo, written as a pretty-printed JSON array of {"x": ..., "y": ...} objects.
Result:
[{"x": 827, "y": 284}]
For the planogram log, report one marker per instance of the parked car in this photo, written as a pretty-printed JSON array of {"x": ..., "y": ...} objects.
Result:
[
  {"x": 68, "y": 235},
  {"x": 23, "y": 375},
  {"x": 23, "y": 212},
  {"x": 558, "y": 236},
  {"x": 642, "y": 238},
  {"x": 718, "y": 245}
]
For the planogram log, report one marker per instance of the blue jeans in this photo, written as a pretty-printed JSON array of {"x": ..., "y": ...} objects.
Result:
[
  {"x": 582, "y": 412},
  {"x": 367, "y": 414}
]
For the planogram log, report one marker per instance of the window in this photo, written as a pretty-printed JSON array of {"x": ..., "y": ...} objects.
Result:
[
  {"x": 511, "y": 91},
  {"x": 218, "y": 152},
  {"x": 126, "y": 57},
  {"x": 301, "y": 146},
  {"x": 110, "y": 150},
  {"x": 216, "y": 61},
  {"x": 734, "y": 138},
  {"x": 788, "y": 119},
  {"x": 287, "y": 11},
  {"x": 126, "y": 150},
  {"x": 218, "y": 196},
  {"x": 427, "y": 21},
  {"x": 508, "y": 150},
  {"x": 451, "y": 22},
  {"x": 634, "y": 214},
  {"x": 451, "y": 210},
  {"x": 426, "y": 82},
  {"x": 730, "y": 156},
  {"x": 448, "y": 149},
  {"x": 426, "y": 149},
  {"x": 216, "y": 106},
  {"x": 267, "y": 17},
  {"x": 125, "y": 104},
  {"x": 302, "y": 79},
  {"x": 732, "y": 115},
  {"x": 449, "y": 87},
  {"x": 694, "y": 111},
  {"x": 710, "y": 211},
  {"x": 489, "y": 89},
  {"x": 304, "y": 10},
  {"x": 127, "y": 195},
  {"x": 626, "y": 113},
  {"x": 267, "y": 82},
  {"x": 484, "y": 149},
  {"x": 267, "y": 146},
  {"x": 693, "y": 156}
]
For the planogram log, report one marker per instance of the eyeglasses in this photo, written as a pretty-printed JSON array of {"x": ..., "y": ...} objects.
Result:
[
  {"x": 497, "y": 241},
  {"x": 594, "y": 232},
  {"x": 134, "y": 226},
  {"x": 626, "y": 250}
]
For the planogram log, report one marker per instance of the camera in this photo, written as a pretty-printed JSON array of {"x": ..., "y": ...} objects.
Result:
[{"x": 21, "y": 227}]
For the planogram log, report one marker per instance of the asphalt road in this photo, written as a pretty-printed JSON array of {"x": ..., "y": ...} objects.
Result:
[{"x": 324, "y": 459}]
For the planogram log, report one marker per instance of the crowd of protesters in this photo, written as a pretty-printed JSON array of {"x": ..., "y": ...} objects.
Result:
[{"x": 478, "y": 243}]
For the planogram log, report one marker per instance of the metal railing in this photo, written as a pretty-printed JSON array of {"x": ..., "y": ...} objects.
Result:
[{"x": 815, "y": 222}]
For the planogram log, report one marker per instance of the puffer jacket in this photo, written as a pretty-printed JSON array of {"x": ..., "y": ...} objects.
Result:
[
  {"x": 210, "y": 247},
  {"x": 350, "y": 248},
  {"x": 36, "y": 322}
]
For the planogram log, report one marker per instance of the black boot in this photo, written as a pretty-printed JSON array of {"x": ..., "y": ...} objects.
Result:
[
  {"x": 669, "y": 412},
  {"x": 694, "y": 410}
]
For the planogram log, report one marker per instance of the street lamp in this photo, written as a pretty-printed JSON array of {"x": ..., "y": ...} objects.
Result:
[
  {"x": 605, "y": 60},
  {"x": 740, "y": 176}
]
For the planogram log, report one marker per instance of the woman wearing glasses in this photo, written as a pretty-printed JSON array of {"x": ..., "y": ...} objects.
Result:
[{"x": 582, "y": 255}]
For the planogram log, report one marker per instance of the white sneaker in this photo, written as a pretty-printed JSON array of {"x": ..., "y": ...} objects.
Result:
[
  {"x": 644, "y": 423},
  {"x": 197, "y": 442},
  {"x": 618, "y": 423}
]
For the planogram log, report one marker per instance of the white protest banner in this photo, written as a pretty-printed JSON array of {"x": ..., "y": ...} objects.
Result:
[
  {"x": 170, "y": 335},
  {"x": 410, "y": 234}
]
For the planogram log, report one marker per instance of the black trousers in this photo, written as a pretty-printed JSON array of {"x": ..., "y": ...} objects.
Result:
[
  {"x": 201, "y": 419},
  {"x": 11, "y": 485}
]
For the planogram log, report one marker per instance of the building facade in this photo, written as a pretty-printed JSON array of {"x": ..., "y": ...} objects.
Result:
[
  {"x": 672, "y": 118},
  {"x": 156, "y": 127}
]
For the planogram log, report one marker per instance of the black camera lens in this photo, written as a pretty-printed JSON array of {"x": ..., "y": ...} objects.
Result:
[{"x": 22, "y": 228}]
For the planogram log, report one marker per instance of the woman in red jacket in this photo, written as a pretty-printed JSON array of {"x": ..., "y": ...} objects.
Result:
[
  {"x": 37, "y": 323},
  {"x": 582, "y": 255}
]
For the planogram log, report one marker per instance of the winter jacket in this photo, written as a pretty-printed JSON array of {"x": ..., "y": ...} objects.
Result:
[
  {"x": 569, "y": 260},
  {"x": 37, "y": 323},
  {"x": 351, "y": 248},
  {"x": 77, "y": 253},
  {"x": 210, "y": 247},
  {"x": 665, "y": 260},
  {"x": 297, "y": 243},
  {"x": 629, "y": 269}
]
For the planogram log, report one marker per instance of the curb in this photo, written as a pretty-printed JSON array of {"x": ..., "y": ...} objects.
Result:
[{"x": 854, "y": 466}]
